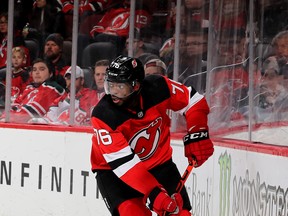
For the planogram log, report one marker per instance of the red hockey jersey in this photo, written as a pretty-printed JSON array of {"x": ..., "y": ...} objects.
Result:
[
  {"x": 130, "y": 143},
  {"x": 85, "y": 100},
  {"x": 35, "y": 101},
  {"x": 116, "y": 21},
  {"x": 3, "y": 54},
  {"x": 19, "y": 82}
]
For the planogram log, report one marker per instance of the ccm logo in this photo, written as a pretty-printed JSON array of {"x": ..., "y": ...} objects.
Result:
[{"x": 198, "y": 135}]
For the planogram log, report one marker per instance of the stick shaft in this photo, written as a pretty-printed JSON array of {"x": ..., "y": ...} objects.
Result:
[{"x": 184, "y": 177}]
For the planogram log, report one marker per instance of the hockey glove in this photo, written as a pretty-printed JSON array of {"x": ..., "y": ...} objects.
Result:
[
  {"x": 179, "y": 201},
  {"x": 198, "y": 145},
  {"x": 161, "y": 202}
]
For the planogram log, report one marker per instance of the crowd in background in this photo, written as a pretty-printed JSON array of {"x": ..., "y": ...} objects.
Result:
[{"x": 104, "y": 34}]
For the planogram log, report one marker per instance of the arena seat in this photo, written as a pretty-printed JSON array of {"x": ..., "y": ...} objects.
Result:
[
  {"x": 2, "y": 74},
  {"x": 33, "y": 48},
  {"x": 152, "y": 48},
  {"x": 67, "y": 50},
  {"x": 88, "y": 77},
  {"x": 97, "y": 51}
]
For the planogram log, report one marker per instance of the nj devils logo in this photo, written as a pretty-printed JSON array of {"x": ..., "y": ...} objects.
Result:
[{"x": 145, "y": 142}]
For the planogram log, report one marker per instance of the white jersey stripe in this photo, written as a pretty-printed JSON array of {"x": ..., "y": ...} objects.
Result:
[
  {"x": 192, "y": 101},
  {"x": 121, "y": 170},
  {"x": 119, "y": 154}
]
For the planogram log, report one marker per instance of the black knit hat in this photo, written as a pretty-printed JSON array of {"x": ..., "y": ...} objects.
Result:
[{"x": 57, "y": 38}]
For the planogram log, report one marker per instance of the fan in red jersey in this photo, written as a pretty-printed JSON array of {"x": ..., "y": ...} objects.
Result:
[
  {"x": 131, "y": 151},
  {"x": 38, "y": 95},
  {"x": 114, "y": 25},
  {"x": 85, "y": 100}
]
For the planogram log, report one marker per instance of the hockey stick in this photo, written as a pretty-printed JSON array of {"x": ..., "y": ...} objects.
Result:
[{"x": 183, "y": 178}]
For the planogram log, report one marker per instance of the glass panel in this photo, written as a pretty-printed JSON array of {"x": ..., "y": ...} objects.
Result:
[
  {"x": 271, "y": 96},
  {"x": 194, "y": 44},
  {"x": 102, "y": 37},
  {"x": 233, "y": 65},
  {"x": 225, "y": 62},
  {"x": 229, "y": 73},
  {"x": 193, "y": 48},
  {"x": 37, "y": 33}
]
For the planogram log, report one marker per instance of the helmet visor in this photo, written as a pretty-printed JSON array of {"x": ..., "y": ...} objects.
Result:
[{"x": 120, "y": 90}]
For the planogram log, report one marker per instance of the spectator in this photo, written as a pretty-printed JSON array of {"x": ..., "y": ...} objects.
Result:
[
  {"x": 197, "y": 11},
  {"x": 85, "y": 100},
  {"x": 20, "y": 74},
  {"x": 90, "y": 12},
  {"x": 271, "y": 100},
  {"x": 37, "y": 96},
  {"x": 85, "y": 7},
  {"x": 18, "y": 40},
  {"x": 193, "y": 61},
  {"x": 278, "y": 53},
  {"x": 194, "y": 25},
  {"x": 114, "y": 25},
  {"x": 231, "y": 47},
  {"x": 139, "y": 48},
  {"x": 166, "y": 52},
  {"x": 171, "y": 20},
  {"x": 272, "y": 90},
  {"x": 155, "y": 66},
  {"x": 46, "y": 18},
  {"x": 53, "y": 50},
  {"x": 229, "y": 92},
  {"x": 99, "y": 76},
  {"x": 230, "y": 14},
  {"x": 280, "y": 46}
]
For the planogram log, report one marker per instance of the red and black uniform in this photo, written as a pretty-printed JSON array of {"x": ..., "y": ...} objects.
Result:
[
  {"x": 20, "y": 80},
  {"x": 116, "y": 21},
  {"x": 133, "y": 146},
  {"x": 35, "y": 101},
  {"x": 3, "y": 53},
  {"x": 85, "y": 100}
]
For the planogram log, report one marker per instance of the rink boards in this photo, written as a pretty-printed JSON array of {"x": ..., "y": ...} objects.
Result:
[{"x": 46, "y": 171}]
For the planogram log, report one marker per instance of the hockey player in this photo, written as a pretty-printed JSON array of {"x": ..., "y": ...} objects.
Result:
[{"x": 131, "y": 151}]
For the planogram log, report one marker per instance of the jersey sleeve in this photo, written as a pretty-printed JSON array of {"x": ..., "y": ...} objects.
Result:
[
  {"x": 112, "y": 146},
  {"x": 188, "y": 102}
]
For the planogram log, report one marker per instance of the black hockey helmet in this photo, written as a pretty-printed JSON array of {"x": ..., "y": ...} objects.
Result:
[{"x": 125, "y": 69}]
